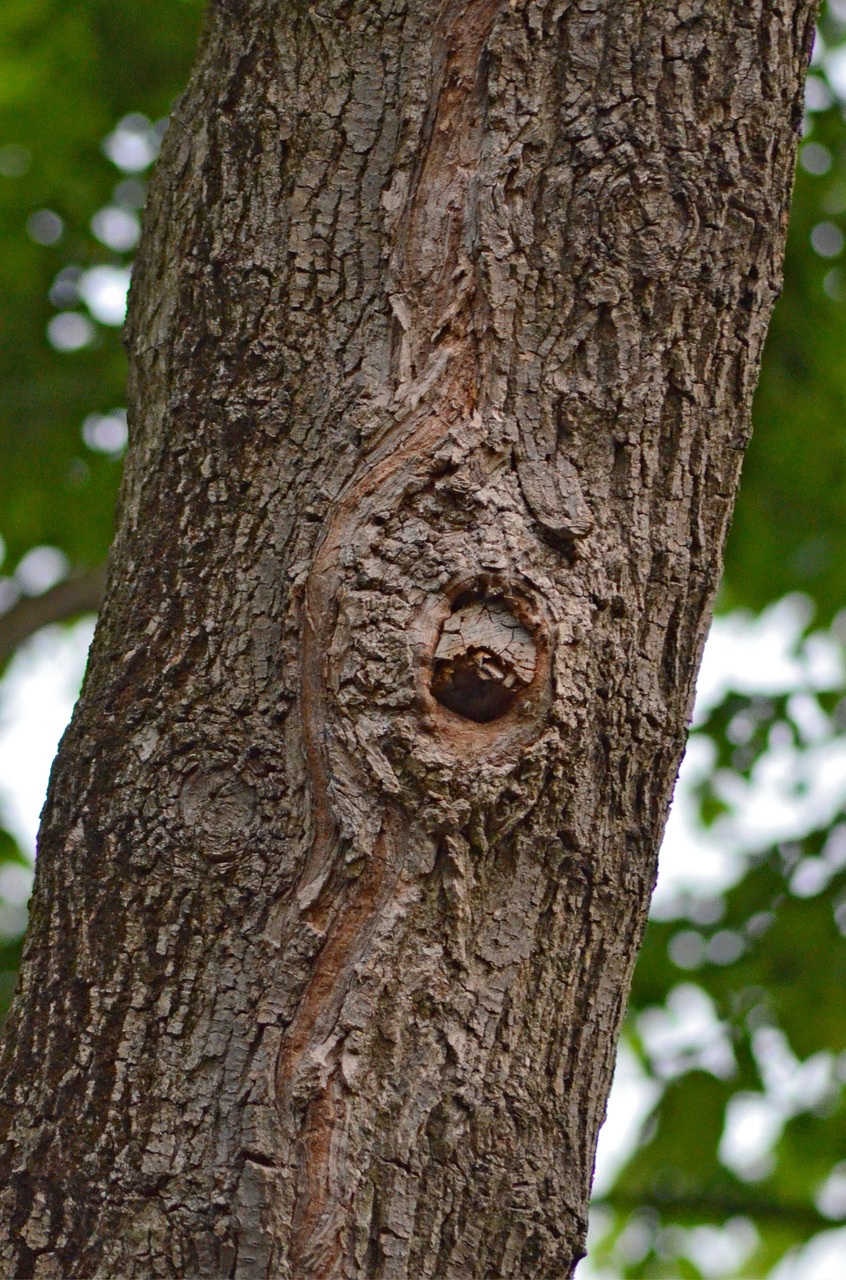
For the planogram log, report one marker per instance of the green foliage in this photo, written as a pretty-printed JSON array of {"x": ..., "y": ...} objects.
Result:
[
  {"x": 789, "y": 525},
  {"x": 768, "y": 956},
  {"x": 68, "y": 73}
]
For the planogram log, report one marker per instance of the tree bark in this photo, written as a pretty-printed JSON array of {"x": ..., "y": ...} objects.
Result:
[{"x": 443, "y": 336}]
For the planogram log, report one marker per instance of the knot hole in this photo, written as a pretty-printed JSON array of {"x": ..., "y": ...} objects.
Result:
[{"x": 484, "y": 660}]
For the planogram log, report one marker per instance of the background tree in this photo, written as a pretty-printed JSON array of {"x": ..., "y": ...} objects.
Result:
[{"x": 49, "y": 442}]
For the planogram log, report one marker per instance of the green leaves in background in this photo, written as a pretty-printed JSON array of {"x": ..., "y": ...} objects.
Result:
[
  {"x": 68, "y": 74},
  {"x": 737, "y": 1018}
]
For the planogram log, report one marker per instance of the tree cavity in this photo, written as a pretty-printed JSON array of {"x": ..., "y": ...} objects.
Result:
[{"x": 484, "y": 660}]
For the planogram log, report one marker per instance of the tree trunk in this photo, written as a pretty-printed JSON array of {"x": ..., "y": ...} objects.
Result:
[{"x": 443, "y": 336}]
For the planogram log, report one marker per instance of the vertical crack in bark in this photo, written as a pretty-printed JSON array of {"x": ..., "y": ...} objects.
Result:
[
  {"x": 437, "y": 250},
  {"x": 347, "y": 911},
  {"x": 438, "y": 332},
  {"x": 318, "y": 1213}
]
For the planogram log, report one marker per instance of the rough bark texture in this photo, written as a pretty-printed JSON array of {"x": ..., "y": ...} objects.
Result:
[{"x": 443, "y": 337}]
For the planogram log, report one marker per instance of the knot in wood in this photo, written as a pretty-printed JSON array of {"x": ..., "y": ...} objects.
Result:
[
  {"x": 484, "y": 659},
  {"x": 218, "y": 804}
]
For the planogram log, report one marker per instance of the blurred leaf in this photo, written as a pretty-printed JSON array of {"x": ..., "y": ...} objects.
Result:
[
  {"x": 68, "y": 73},
  {"x": 789, "y": 531}
]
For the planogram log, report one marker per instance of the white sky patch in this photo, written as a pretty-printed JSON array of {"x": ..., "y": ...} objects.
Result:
[
  {"x": 766, "y": 655},
  {"x": 831, "y": 1197},
  {"x": 104, "y": 290},
  {"x": 70, "y": 331},
  {"x": 686, "y": 1034},
  {"x": 133, "y": 144},
  {"x": 818, "y": 96},
  {"x": 835, "y": 69},
  {"x": 15, "y": 888},
  {"x": 40, "y": 569},
  {"x": 691, "y": 859},
  {"x": 119, "y": 229},
  {"x": 36, "y": 699},
  {"x": 106, "y": 432},
  {"x": 632, "y": 1098},
  {"x": 821, "y": 1259},
  {"x": 791, "y": 789},
  {"x": 754, "y": 1121}
]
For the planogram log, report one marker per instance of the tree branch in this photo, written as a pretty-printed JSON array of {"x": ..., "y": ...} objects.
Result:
[
  {"x": 718, "y": 1206},
  {"x": 81, "y": 593}
]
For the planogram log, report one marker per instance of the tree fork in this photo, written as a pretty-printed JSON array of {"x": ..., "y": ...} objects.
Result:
[{"x": 443, "y": 334}]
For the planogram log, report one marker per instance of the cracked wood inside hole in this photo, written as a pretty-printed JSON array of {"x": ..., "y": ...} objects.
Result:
[{"x": 485, "y": 658}]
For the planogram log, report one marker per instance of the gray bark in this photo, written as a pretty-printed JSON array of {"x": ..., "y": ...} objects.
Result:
[{"x": 443, "y": 336}]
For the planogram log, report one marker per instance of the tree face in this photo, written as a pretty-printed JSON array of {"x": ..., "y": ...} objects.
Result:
[{"x": 443, "y": 333}]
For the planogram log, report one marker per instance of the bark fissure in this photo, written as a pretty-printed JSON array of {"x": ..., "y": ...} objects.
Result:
[{"x": 436, "y": 220}]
